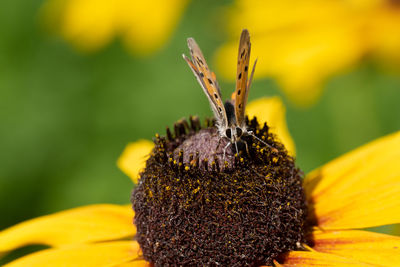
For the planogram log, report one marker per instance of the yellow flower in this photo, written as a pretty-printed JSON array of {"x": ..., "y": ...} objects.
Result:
[
  {"x": 357, "y": 190},
  {"x": 303, "y": 43},
  {"x": 92, "y": 24}
]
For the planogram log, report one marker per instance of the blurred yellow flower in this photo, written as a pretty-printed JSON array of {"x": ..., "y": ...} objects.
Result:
[
  {"x": 89, "y": 25},
  {"x": 303, "y": 43}
]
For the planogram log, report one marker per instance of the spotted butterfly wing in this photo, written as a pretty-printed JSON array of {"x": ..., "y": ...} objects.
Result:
[
  {"x": 208, "y": 82},
  {"x": 242, "y": 82}
]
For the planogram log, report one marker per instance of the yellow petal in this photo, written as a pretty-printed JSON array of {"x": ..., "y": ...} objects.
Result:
[
  {"x": 100, "y": 254},
  {"x": 272, "y": 111},
  {"x": 80, "y": 225},
  {"x": 360, "y": 189},
  {"x": 147, "y": 25},
  {"x": 299, "y": 61},
  {"x": 385, "y": 34},
  {"x": 300, "y": 44},
  {"x": 134, "y": 157},
  {"x": 363, "y": 246},
  {"x": 396, "y": 230},
  {"x": 88, "y": 24},
  {"x": 313, "y": 258},
  {"x": 91, "y": 24},
  {"x": 135, "y": 263}
]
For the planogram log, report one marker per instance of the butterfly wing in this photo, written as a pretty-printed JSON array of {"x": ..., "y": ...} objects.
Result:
[
  {"x": 208, "y": 82},
  {"x": 242, "y": 83}
]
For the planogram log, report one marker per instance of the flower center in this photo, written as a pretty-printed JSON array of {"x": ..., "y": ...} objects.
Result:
[{"x": 196, "y": 206}]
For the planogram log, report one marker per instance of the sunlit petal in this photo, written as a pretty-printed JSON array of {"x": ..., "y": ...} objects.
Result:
[
  {"x": 300, "y": 62},
  {"x": 134, "y": 157},
  {"x": 147, "y": 25},
  {"x": 89, "y": 25},
  {"x": 272, "y": 111},
  {"x": 301, "y": 44},
  {"x": 313, "y": 258},
  {"x": 363, "y": 246},
  {"x": 134, "y": 263},
  {"x": 360, "y": 189},
  {"x": 80, "y": 225},
  {"x": 385, "y": 33},
  {"x": 101, "y": 254}
]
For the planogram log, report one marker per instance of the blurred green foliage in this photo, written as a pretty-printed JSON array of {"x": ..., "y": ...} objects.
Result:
[{"x": 65, "y": 117}]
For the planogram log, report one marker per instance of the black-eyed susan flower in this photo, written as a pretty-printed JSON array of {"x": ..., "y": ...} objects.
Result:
[
  {"x": 252, "y": 211},
  {"x": 89, "y": 25},
  {"x": 303, "y": 43}
]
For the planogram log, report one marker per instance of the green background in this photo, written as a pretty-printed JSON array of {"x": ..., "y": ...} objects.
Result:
[{"x": 65, "y": 117}]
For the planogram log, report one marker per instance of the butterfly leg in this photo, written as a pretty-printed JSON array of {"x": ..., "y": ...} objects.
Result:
[
  {"x": 225, "y": 150},
  {"x": 216, "y": 149},
  {"x": 237, "y": 150},
  {"x": 247, "y": 148}
]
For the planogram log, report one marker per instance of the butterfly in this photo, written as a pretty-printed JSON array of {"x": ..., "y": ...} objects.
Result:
[{"x": 230, "y": 116}]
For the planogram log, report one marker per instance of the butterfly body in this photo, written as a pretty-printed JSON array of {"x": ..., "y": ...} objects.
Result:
[
  {"x": 230, "y": 116},
  {"x": 233, "y": 131}
]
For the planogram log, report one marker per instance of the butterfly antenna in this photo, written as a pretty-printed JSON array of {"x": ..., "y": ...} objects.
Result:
[
  {"x": 247, "y": 148},
  {"x": 262, "y": 141},
  {"x": 252, "y": 74}
]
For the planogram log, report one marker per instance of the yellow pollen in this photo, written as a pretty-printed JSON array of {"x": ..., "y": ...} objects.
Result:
[{"x": 187, "y": 168}]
